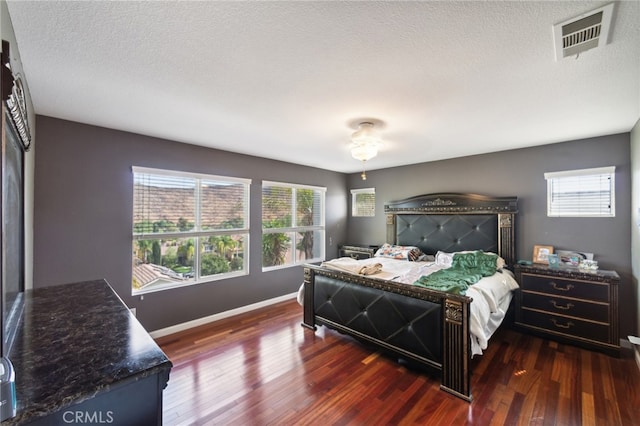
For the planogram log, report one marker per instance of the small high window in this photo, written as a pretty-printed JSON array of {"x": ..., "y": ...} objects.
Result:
[
  {"x": 581, "y": 193},
  {"x": 363, "y": 202}
]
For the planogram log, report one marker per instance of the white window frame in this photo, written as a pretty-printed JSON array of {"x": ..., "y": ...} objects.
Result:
[
  {"x": 197, "y": 232},
  {"x": 356, "y": 208},
  {"x": 583, "y": 181},
  {"x": 299, "y": 229}
]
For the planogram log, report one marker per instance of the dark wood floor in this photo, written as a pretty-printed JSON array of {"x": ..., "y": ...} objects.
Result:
[{"x": 263, "y": 368}]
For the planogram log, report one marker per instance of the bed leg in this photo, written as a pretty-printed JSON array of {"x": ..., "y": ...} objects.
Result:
[
  {"x": 308, "y": 314},
  {"x": 456, "y": 375},
  {"x": 310, "y": 327}
]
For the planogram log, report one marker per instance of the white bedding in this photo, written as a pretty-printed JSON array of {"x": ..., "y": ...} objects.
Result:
[{"x": 491, "y": 295}]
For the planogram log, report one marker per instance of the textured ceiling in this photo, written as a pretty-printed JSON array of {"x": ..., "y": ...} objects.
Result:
[{"x": 289, "y": 80}]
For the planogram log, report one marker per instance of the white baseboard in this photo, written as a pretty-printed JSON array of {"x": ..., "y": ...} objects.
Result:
[
  {"x": 636, "y": 351},
  {"x": 219, "y": 316}
]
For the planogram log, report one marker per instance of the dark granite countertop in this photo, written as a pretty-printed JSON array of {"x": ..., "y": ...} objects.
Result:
[
  {"x": 570, "y": 272},
  {"x": 74, "y": 342}
]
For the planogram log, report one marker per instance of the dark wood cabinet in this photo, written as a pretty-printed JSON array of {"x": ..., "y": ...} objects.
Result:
[
  {"x": 82, "y": 357},
  {"x": 357, "y": 251},
  {"x": 570, "y": 305}
]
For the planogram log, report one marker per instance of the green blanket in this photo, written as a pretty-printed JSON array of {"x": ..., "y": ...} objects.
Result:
[{"x": 466, "y": 269}]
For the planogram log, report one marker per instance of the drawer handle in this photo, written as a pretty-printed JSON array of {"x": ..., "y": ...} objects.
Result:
[
  {"x": 566, "y": 307},
  {"x": 555, "y": 286},
  {"x": 567, "y": 325},
  {"x": 354, "y": 255}
]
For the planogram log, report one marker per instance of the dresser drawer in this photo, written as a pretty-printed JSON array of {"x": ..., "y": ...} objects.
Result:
[
  {"x": 570, "y": 327},
  {"x": 564, "y": 306},
  {"x": 565, "y": 287}
]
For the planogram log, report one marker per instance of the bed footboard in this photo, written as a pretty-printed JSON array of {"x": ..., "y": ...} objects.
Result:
[{"x": 419, "y": 324}]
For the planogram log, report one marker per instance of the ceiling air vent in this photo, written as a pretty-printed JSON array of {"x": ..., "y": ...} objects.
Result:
[{"x": 582, "y": 33}]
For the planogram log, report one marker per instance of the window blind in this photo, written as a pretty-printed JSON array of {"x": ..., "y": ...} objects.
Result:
[
  {"x": 581, "y": 193},
  {"x": 293, "y": 227},
  {"x": 187, "y": 228},
  {"x": 163, "y": 203},
  {"x": 168, "y": 202},
  {"x": 363, "y": 202}
]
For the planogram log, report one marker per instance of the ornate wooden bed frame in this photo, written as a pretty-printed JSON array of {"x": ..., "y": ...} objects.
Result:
[{"x": 431, "y": 327}]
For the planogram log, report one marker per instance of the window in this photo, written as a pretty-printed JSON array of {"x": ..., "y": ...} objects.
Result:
[
  {"x": 293, "y": 229},
  {"x": 581, "y": 193},
  {"x": 187, "y": 228},
  {"x": 363, "y": 202}
]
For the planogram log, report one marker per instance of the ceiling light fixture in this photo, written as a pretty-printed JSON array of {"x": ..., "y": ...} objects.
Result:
[{"x": 365, "y": 143}]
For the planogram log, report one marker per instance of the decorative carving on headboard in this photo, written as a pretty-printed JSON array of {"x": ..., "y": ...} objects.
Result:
[
  {"x": 451, "y": 203},
  {"x": 438, "y": 202},
  {"x": 505, "y": 220}
]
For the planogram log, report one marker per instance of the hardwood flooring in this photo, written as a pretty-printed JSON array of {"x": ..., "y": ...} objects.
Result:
[{"x": 263, "y": 368}]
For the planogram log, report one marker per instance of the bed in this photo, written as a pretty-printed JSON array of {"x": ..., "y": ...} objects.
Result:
[{"x": 423, "y": 325}]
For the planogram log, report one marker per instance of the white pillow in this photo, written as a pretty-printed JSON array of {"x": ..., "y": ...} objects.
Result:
[{"x": 444, "y": 259}]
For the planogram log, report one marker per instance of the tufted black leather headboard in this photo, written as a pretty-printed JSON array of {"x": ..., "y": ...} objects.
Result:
[{"x": 454, "y": 222}]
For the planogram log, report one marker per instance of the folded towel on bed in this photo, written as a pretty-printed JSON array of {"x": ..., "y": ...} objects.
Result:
[
  {"x": 347, "y": 264},
  {"x": 370, "y": 269}
]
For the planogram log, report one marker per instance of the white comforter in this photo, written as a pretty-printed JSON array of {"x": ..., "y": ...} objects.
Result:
[{"x": 491, "y": 295}]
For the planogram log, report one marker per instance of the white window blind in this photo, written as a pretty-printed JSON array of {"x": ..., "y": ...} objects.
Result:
[
  {"x": 187, "y": 228},
  {"x": 293, "y": 224},
  {"x": 363, "y": 202},
  {"x": 581, "y": 193}
]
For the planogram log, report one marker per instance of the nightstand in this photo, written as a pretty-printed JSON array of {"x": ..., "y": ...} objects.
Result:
[
  {"x": 570, "y": 305},
  {"x": 357, "y": 251}
]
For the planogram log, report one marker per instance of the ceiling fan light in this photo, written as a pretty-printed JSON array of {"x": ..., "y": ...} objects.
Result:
[
  {"x": 364, "y": 152},
  {"x": 366, "y": 134},
  {"x": 365, "y": 144}
]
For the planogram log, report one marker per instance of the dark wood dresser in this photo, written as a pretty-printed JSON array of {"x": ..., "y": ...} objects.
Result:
[
  {"x": 81, "y": 356},
  {"x": 357, "y": 251},
  {"x": 570, "y": 305}
]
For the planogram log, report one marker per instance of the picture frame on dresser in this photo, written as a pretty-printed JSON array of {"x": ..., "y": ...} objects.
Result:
[{"x": 541, "y": 253}]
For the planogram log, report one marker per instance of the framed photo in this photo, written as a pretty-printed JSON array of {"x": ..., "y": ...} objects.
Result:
[{"x": 541, "y": 254}]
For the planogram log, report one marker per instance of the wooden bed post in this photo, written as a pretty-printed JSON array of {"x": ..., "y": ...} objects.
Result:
[
  {"x": 456, "y": 374},
  {"x": 391, "y": 228},
  {"x": 308, "y": 314},
  {"x": 506, "y": 237}
]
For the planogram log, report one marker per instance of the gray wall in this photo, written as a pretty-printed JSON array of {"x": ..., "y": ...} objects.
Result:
[
  {"x": 83, "y": 203},
  {"x": 520, "y": 173},
  {"x": 83, "y": 219},
  {"x": 635, "y": 214}
]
